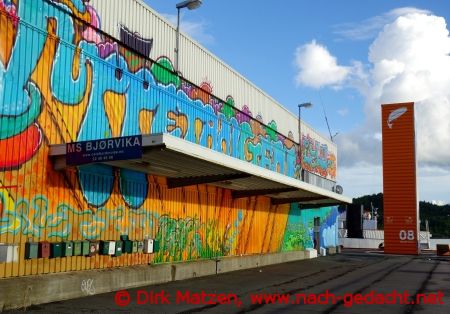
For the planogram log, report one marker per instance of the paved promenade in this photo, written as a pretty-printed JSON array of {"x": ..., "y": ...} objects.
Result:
[{"x": 345, "y": 283}]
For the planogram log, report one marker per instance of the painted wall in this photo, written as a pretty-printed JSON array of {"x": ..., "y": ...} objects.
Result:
[
  {"x": 91, "y": 88},
  {"x": 61, "y": 81},
  {"x": 210, "y": 73},
  {"x": 207, "y": 68},
  {"x": 299, "y": 232}
]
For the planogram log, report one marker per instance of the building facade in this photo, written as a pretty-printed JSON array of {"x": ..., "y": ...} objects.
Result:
[{"x": 72, "y": 71}]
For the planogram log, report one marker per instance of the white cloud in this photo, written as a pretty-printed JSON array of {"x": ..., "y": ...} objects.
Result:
[
  {"x": 343, "y": 112},
  {"x": 369, "y": 28},
  {"x": 433, "y": 184},
  {"x": 359, "y": 145},
  {"x": 409, "y": 61},
  {"x": 197, "y": 30},
  {"x": 360, "y": 179},
  {"x": 365, "y": 178},
  {"x": 317, "y": 67}
]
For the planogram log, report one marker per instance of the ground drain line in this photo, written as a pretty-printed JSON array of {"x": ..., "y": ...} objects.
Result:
[
  {"x": 410, "y": 307},
  {"x": 207, "y": 307},
  {"x": 254, "y": 307},
  {"x": 338, "y": 304}
]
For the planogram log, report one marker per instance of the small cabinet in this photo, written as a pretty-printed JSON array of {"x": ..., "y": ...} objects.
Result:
[
  {"x": 85, "y": 246},
  {"x": 140, "y": 246},
  {"x": 9, "y": 253},
  {"x": 55, "y": 249},
  {"x": 107, "y": 247},
  {"x": 31, "y": 250},
  {"x": 128, "y": 246},
  {"x": 118, "y": 248},
  {"x": 67, "y": 249},
  {"x": 44, "y": 249},
  {"x": 94, "y": 248},
  {"x": 151, "y": 246}
]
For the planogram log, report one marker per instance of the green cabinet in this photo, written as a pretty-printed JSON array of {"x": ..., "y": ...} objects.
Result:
[
  {"x": 31, "y": 250},
  {"x": 155, "y": 246},
  {"x": 127, "y": 246},
  {"x": 107, "y": 247},
  {"x": 85, "y": 245},
  {"x": 56, "y": 249},
  {"x": 119, "y": 248},
  {"x": 80, "y": 248},
  {"x": 67, "y": 248},
  {"x": 77, "y": 248}
]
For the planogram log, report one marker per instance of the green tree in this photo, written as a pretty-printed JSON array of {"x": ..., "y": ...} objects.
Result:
[{"x": 438, "y": 216}]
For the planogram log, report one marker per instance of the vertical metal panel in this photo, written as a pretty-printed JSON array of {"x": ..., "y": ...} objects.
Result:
[
  {"x": 199, "y": 65},
  {"x": 399, "y": 179},
  {"x": 80, "y": 94}
]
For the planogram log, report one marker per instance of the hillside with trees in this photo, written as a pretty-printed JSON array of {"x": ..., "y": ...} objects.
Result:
[{"x": 438, "y": 216}]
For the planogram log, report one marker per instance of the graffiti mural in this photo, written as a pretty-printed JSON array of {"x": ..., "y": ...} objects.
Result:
[
  {"x": 132, "y": 94},
  {"x": 134, "y": 40},
  {"x": 317, "y": 159},
  {"x": 62, "y": 80},
  {"x": 299, "y": 233}
]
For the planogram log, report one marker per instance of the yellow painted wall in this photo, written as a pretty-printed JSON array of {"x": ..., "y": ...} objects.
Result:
[
  {"x": 59, "y": 84},
  {"x": 48, "y": 205}
]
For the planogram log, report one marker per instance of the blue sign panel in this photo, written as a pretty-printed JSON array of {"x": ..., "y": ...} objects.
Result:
[{"x": 110, "y": 149}]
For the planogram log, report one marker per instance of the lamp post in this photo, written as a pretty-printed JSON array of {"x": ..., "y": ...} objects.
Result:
[
  {"x": 300, "y": 106},
  {"x": 191, "y": 5}
]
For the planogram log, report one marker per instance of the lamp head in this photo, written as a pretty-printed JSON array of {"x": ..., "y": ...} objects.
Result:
[
  {"x": 305, "y": 105},
  {"x": 190, "y": 4}
]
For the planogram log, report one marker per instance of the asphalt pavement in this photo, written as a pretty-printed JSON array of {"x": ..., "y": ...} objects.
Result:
[{"x": 344, "y": 283}]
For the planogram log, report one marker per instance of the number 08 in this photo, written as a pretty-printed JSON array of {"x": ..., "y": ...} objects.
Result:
[{"x": 406, "y": 235}]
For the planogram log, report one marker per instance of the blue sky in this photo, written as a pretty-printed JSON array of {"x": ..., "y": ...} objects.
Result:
[{"x": 270, "y": 43}]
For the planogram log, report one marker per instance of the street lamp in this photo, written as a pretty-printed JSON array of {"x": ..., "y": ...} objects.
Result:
[
  {"x": 191, "y": 5},
  {"x": 300, "y": 106}
]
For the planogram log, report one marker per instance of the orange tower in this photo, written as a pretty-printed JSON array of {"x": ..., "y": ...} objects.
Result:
[{"x": 401, "y": 228}]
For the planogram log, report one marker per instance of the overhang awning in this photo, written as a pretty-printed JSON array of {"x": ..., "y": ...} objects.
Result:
[{"x": 185, "y": 163}]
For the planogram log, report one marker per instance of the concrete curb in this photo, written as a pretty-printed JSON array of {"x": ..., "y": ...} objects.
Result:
[
  {"x": 23, "y": 292},
  {"x": 227, "y": 264}
]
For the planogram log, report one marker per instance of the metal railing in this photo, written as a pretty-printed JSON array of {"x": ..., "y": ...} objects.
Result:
[{"x": 174, "y": 104}]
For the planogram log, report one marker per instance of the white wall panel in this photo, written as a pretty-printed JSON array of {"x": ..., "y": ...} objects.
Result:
[{"x": 197, "y": 64}]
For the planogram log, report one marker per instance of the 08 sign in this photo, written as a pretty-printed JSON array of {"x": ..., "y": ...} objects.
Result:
[{"x": 406, "y": 235}]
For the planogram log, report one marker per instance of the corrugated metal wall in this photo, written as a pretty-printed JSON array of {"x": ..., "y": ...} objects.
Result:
[
  {"x": 189, "y": 223},
  {"x": 61, "y": 81},
  {"x": 401, "y": 206},
  {"x": 198, "y": 65}
]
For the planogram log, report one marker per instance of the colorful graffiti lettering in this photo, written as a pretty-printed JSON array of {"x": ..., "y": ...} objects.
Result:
[
  {"x": 74, "y": 83},
  {"x": 317, "y": 158},
  {"x": 54, "y": 67}
]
